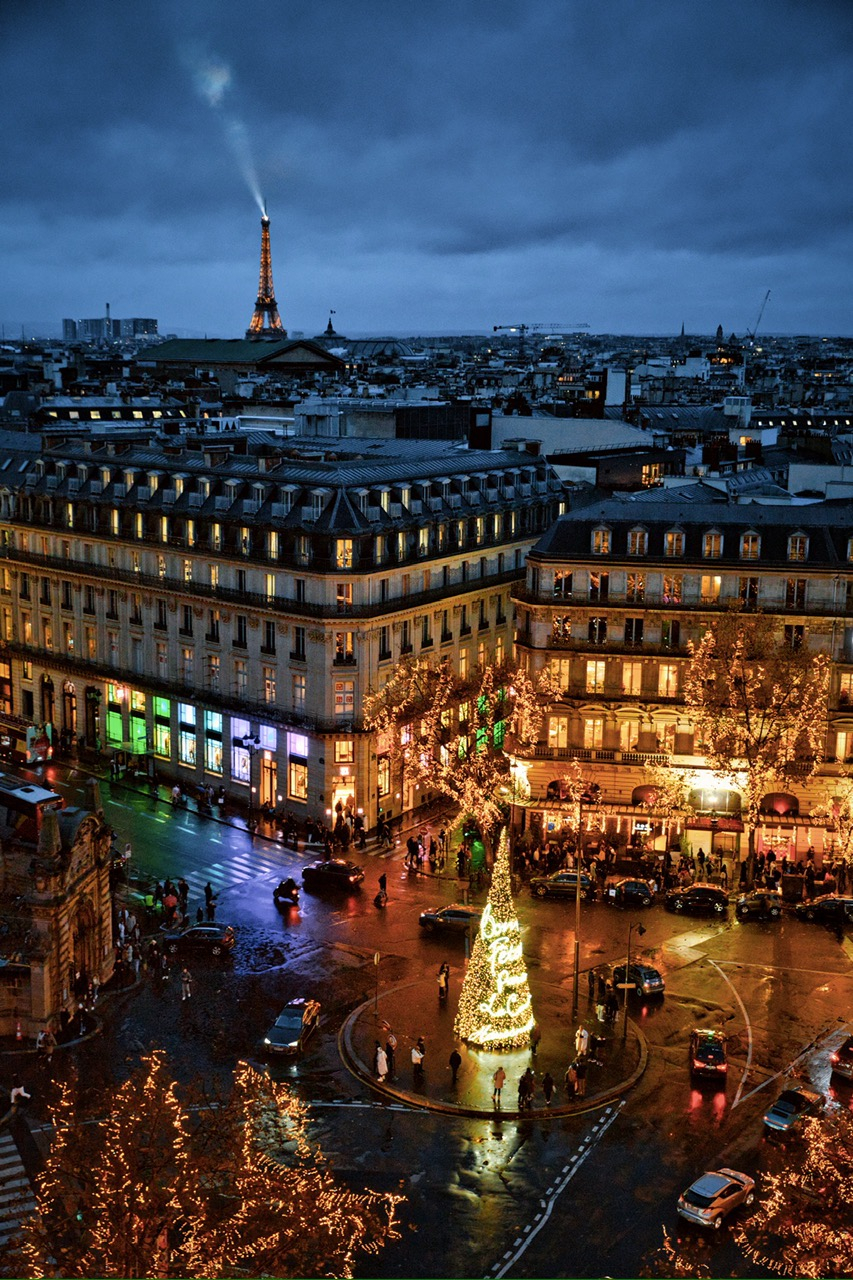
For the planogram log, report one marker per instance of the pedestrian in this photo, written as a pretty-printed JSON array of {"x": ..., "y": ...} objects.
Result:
[
  {"x": 380, "y": 1062},
  {"x": 418, "y": 1055},
  {"x": 600, "y": 1010},
  {"x": 581, "y": 1041},
  {"x": 611, "y": 1005},
  {"x": 390, "y": 1052},
  {"x": 383, "y": 887},
  {"x": 548, "y": 1087},
  {"x": 183, "y": 893},
  {"x": 591, "y": 984},
  {"x": 498, "y": 1082},
  {"x": 208, "y": 893},
  {"x": 199, "y": 915},
  {"x": 45, "y": 1044},
  {"x": 455, "y": 1064},
  {"x": 571, "y": 1080},
  {"x": 211, "y": 910},
  {"x": 580, "y": 1070},
  {"x": 186, "y": 984},
  {"x": 535, "y": 1037},
  {"x": 18, "y": 1093},
  {"x": 601, "y": 988},
  {"x": 443, "y": 981}
]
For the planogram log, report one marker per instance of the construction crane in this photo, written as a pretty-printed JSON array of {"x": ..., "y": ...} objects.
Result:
[
  {"x": 750, "y": 333},
  {"x": 523, "y": 329}
]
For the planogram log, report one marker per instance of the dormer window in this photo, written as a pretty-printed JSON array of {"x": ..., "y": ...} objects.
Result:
[
  {"x": 637, "y": 542},
  {"x": 712, "y": 545},
  {"x": 601, "y": 542},
  {"x": 318, "y": 502},
  {"x": 259, "y": 493},
  {"x": 673, "y": 543},
  {"x": 153, "y": 480},
  {"x": 178, "y": 485},
  {"x": 384, "y": 499},
  {"x": 405, "y": 495},
  {"x": 130, "y": 479},
  {"x": 61, "y": 468},
  {"x": 750, "y": 546},
  {"x": 286, "y": 496},
  {"x": 362, "y": 497},
  {"x": 798, "y": 546},
  {"x": 204, "y": 487}
]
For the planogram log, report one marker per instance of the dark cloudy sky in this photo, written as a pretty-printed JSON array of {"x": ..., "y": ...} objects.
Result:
[{"x": 436, "y": 167}]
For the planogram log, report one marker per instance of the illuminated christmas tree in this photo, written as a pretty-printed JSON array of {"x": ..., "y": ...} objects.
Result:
[{"x": 495, "y": 1010}]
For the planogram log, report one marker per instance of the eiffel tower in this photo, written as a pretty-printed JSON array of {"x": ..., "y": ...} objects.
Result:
[{"x": 266, "y": 322}]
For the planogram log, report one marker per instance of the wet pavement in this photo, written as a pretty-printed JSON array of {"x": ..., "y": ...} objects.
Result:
[{"x": 413, "y": 1009}]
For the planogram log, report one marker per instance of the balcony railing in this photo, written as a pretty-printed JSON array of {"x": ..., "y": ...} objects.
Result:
[{"x": 715, "y": 604}]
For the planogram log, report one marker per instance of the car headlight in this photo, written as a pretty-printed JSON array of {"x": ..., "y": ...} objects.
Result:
[
  {"x": 267, "y": 1040},
  {"x": 294, "y": 1044}
]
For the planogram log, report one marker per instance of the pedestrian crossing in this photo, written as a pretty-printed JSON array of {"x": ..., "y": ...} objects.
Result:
[{"x": 16, "y": 1193}]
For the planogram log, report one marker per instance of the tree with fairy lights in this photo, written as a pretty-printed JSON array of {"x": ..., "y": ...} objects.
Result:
[
  {"x": 455, "y": 735},
  {"x": 495, "y": 1009},
  {"x": 836, "y": 815},
  {"x": 758, "y": 707},
  {"x": 803, "y": 1222},
  {"x": 171, "y": 1183}
]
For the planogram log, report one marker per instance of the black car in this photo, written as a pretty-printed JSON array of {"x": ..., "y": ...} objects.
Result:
[
  {"x": 697, "y": 899},
  {"x": 763, "y": 904},
  {"x": 829, "y": 909},
  {"x": 293, "y": 1026},
  {"x": 457, "y": 918},
  {"x": 333, "y": 873},
  {"x": 630, "y": 893},
  {"x": 562, "y": 884},
  {"x": 708, "y": 1059},
  {"x": 645, "y": 980},
  {"x": 201, "y": 939}
]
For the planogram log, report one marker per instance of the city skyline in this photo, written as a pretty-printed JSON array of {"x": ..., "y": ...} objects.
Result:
[{"x": 433, "y": 172}]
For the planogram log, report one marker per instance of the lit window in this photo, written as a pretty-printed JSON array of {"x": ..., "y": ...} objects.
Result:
[
  {"x": 667, "y": 680},
  {"x": 712, "y": 545},
  {"x": 344, "y": 697},
  {"x": 593, "y": 733},
  {"x": 601, "y": 542},
  {"x": 637, "y": 542},
  {"x": 344, "y": 751},
  {"x": 343, "y": 553},
  {"x": 558, "y": 732},
  {"x": 798, "y": 546},
  {"x": 750, "y": 546},
  {"x": 595, "y": 669},
  {"x": 632, "y": 678},
  {"x": 673, "y": 543}
]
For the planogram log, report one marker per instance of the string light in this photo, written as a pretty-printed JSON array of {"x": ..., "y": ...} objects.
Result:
[
  {"x": 495, "y": 1009},
  {"x": 164, "y": 1188}
]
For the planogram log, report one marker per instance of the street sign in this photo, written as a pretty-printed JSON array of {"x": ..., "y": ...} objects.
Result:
[{"x": 625, "y": 986}]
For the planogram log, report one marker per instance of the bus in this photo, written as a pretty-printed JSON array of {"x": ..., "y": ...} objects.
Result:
[{"x": 23, "y": 805}]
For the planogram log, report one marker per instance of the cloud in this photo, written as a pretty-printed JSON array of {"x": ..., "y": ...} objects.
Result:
[{"x": 621, "y": 161}]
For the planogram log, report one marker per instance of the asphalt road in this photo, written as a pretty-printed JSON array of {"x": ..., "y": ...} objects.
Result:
[{"x": 587, "y": 1196}]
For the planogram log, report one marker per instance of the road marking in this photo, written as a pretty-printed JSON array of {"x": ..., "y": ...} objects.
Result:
[
  {"x": 744, "y": 964},
  {"x": 542, "y": 1218},
  {"x": 822, "y": 1035},
  {"x": 748, "y": 1064}
]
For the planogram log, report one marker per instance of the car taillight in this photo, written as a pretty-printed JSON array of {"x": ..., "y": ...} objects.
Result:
[
  {"x": 722, "y": 1066},
  {"x": 834, "y": 1057},
  {"x": 353, "y": 879}
]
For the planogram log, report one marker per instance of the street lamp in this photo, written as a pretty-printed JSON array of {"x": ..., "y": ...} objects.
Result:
[
  {"x": 249, "y": 742},
  {"x": 589, "y": 796},
  {"x": 641, "y": 929}
]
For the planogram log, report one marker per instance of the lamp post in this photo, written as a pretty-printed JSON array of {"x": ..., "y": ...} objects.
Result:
[
  {"x": 641, "y": 929},
  {"x": 251, "y": 743},
  {"x": 589, "y": 796}
]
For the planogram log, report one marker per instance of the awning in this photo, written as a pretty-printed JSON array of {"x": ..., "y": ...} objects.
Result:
[{"x": 701, "y": 823}]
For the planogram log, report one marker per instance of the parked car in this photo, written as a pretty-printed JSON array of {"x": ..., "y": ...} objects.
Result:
[
  {"x": 630, "y": 893},
  {"x": 332, "y": 873},
  {"x": 841, "y": 1060},
  {"x": 645, "y": 980},
  {"x": 763, "y": 904},
  {"x": 707, "y": 1200},
  {"x": 200, "y": 939},
  {"x": 791, "y": 1108},
  {"x": 831, "y": 908},
  {"x": 297, "y": 1021},
  {"x": 708, "y": 1060},
  {"x": 561, "y": 884},
  {"x": 457, "y": 918},
  {"x": 697, "y": 898}
]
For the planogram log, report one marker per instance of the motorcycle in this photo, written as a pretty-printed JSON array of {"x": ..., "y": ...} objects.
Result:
[{"x": 286, "y": 893}]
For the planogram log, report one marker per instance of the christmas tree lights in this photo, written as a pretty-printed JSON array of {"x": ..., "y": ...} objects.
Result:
[{"x": 495, "y": 1009}]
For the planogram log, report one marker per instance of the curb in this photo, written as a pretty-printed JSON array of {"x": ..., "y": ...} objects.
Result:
[{"x": 418, "y": 1102}]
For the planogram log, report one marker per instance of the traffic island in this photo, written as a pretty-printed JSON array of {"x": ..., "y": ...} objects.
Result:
[{"x": 413, "y": 1011}]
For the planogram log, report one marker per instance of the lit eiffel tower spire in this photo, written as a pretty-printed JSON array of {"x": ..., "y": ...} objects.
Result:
[{"x": 265, "y": 319}]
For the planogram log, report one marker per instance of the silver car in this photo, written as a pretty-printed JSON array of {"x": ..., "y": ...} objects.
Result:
[{"x": 707, "y": 1200}]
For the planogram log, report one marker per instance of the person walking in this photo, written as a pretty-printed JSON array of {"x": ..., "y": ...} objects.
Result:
[
  {"x": 211, "y": 910},
  {"x": 186, "y": 984},
  {"x": 535, "y": 1037},
  {"x": 548, "y": 1087},
  {"x": 611, "y": 1004},
  {"x": 45, "y": 1044},
  {"x": 443, "y": 981},
  {"x": 580, "y": 1071},
  {"x": 18, "y": 1093},
  {"x": 498, "y": 1082},
  {"x": 383, "y": 887},
  {"x": 581, "y": 1042},
  {"x": 418, "y": 1055},
  {"x": 571, "y": 1080},
  {"x": 600, "y": 1010},
  {"x": 391, "y": 1052},
  {"x": 455, "y": 1064},
  {"x": 380, "y": 1062}
]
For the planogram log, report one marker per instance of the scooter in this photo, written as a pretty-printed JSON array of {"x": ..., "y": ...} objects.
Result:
[{"x": 286, "y": 893}]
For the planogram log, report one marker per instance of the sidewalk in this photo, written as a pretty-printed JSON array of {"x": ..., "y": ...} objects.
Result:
[{"x": 413, "y": 1010}]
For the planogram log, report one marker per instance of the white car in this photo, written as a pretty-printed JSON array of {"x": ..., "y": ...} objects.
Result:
[{"x": 707, "y": 1200}]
